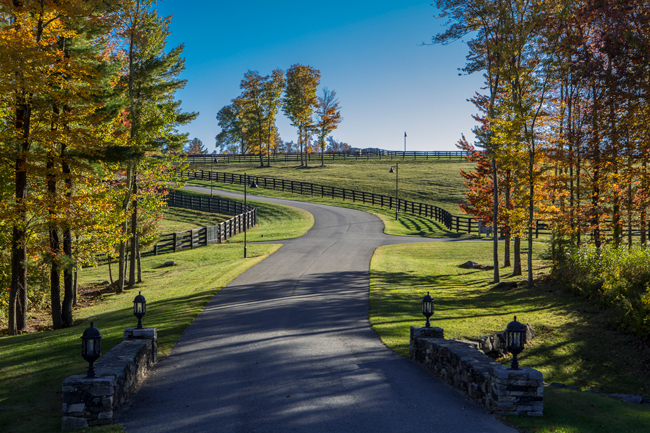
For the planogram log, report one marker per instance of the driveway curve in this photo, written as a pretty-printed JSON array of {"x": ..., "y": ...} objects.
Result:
[{"x": 287, "y": 347}]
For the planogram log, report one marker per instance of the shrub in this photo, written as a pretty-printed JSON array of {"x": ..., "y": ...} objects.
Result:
[{"x": 617, "y": 276}]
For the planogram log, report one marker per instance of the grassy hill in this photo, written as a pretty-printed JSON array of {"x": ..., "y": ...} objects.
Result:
[{"x": 427, "y": 181}]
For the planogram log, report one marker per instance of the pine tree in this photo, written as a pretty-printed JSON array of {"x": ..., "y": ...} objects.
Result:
[{"x": 150, "y": 81}]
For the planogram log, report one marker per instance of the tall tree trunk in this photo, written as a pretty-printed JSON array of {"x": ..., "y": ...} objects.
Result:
[
  {"x": 68, "y": 280},
  {"x": 595, "y": 194},
  {"x": 495, "y": 220},
  {"x": 530, "y": 213},
  {"x": 110, "y": 270},
  {"x": 55, "y": 271},
  {"x": 139, "y": 264},
  {"x": 134, "y": 232},
  {"x": 68, "y": 297},
  {"x": 125, "y": 229},
  {"x": 642, "y": 213},
  {"x": 18, "y": 289},
  {"x": 75, "y": 287},
  {"x": 516, "y": 269},
  {"x": 508, "y": 231}
]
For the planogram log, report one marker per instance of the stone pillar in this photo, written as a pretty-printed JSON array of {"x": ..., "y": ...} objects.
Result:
[
  {"x": 144, "y": 334},
  {"x": 87, "y": 401},
  {"x": 418, "y": 332},
  {"x": 94, "y": 401},
  {"x": 517, "y": 392}
]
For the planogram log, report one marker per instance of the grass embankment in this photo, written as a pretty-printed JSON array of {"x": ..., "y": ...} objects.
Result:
[
  {"x": 274, "y": 222},
  {"x": 427, "y": 181},
  {"x": 178, "y": 219},
  {"x": 574, "y": 344},
  {"x": 33, "y": 366}
]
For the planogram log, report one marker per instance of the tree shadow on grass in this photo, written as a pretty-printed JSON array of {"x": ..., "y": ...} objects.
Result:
[{"x": 575, "y": 343}]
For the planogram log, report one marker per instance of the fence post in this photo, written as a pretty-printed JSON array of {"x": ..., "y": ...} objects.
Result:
[
  {"x": 155, "y": 250},
  {"x": 175, "y": 240}
]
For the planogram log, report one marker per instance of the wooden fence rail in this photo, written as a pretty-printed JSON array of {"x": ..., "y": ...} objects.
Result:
[
  {"x": 201, "y": 237},
  {"x": 459, "y": 224},
  {"x": 452, "y": 155}
]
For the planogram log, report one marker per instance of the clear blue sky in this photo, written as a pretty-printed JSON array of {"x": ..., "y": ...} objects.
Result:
[{"x": 370, "y": 52}]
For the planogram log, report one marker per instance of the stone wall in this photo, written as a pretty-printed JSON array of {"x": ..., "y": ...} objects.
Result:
[
  {"x": 485, "y": 381},
  {"x": 94, "y": 401}
]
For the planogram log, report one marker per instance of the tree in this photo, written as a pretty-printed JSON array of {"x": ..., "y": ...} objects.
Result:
[
  {"x": 328, "y": 117},
  {"x": 300, "y": 100},
  {"x": 196, "y": 147},
  {"x": 150, "y": 81},
  {"x": 258, "y": 106},
  {"x": 48, "y": 86},
  {"x": 231, "y": 137},
  {"x": 334, "y": 146},
  {"x": 486, "y": 21}
]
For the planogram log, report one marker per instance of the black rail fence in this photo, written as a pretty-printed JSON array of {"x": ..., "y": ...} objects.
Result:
[
  {"x": 459, "y": 224},
  {"x": 244, "y": 216},
  {"x": 361, "y": 154}
]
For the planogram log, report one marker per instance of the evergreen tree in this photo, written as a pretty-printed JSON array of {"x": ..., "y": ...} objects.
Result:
[{"x": 149, "y": 81}]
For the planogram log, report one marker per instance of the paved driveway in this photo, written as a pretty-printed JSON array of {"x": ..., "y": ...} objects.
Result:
[{"x": 287, "y": 347}]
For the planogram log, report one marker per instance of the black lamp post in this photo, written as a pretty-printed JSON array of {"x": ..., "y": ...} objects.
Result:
[
  {"x": 253, "y": 185},
  {"x": 91, "y": 347},
  {"x": 427, "y": 308},
  {"x": 396, "y": 171},
  {"x": 515, "y": 338},
  {"x": 211, "y": 163},
  {"x": 139, "y": 308}
]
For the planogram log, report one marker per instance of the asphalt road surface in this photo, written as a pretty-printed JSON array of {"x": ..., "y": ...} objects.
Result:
[{"x": 287, "y": 347}]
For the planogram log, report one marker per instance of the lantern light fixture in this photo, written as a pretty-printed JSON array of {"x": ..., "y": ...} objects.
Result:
[
  {"x": 139, "y": 308},
  {"x": 427, "y": 308},
  {"x": 91, "y": 347},
  {"x": 396, "y": 171},
  {"x": 515, "y": 339}
]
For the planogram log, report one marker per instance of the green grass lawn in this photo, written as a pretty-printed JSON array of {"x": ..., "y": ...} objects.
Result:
[
  {"x": 434, "y": 182},
  {"x": 274, "y": 222},
  {"x": 575, "y": 343},
  {"x": 33, "y": 366},
  {"x": 178, "y": 219}
]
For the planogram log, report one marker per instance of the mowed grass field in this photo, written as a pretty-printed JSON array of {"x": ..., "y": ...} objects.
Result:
[
  {"x": 575, "y": 341},
  {"x": 429, "y": 181},
  {"x": 420, "y": 180},
  {"x": 178, "y": 219},
  {"x": 34, "y": 365}
]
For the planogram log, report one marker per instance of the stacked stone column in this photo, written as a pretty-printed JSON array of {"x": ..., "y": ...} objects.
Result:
[{"x": 95, "y": 401}]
